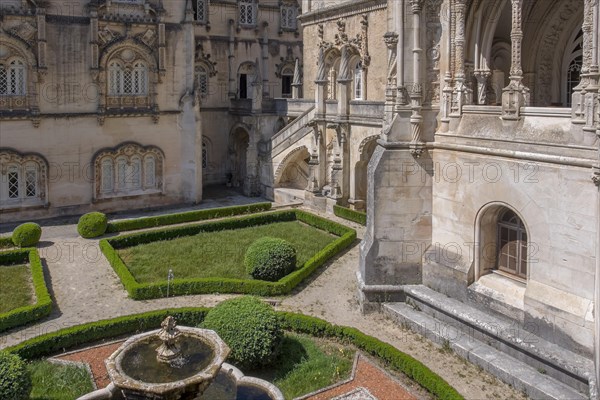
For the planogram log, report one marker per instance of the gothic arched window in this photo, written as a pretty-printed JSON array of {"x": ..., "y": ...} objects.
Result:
[
  {"x": 287, "y": 76},
  {"x": 204, "y": 155},
  {"x": 127, "y": 81},
  {"x": 288, "y": 16},
  {"x": 201, "y": 10},
  {"x": 202, "y": 76},
  {"x": 573, "y": 77},
  {"x": 512, "y": 245}
]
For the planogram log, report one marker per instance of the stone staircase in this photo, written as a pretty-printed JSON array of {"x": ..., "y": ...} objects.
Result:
[
  {"x": 498, "y": 344},
  {"x": 292, "y": 132}
]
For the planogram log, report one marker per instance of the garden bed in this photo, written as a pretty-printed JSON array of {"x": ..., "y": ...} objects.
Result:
[
  {"x": 24, "y": 296},
  {"x": 395, "y": 360},
  {"x": 197, "y": 253}
]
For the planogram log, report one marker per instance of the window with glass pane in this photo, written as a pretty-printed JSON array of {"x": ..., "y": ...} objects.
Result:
[
  {"x": 247, "y": 12},
  {"x": 201, "y": 10},
  {"x": 204, "y": 156},
  {"x": 30, "y": 181},
  {"x": 12, "y": 79},
  {"x": 512, "y": 245},
  {"x": 150, "y": 172},
  {"x": 573, "y": 77},
  {"x": 13, "y": 183},
  {"x": 202, "y": 81},
  {"x": 288, "y": 17},
  {"x": 358, "y": 82},
  {"x": 107, "y": 178},
  {"x": 121, "y": 173},
  {"x": 135, "y": 174}
]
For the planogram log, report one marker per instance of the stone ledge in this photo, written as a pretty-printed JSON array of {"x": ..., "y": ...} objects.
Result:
[{"x": 534, "y": 382}]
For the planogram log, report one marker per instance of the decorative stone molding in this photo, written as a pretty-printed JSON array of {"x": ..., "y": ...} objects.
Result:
[
  {"x": 129, "y": 151},
  {"x": 289, "y": 61},
  {"x": 205, "y": 59}
]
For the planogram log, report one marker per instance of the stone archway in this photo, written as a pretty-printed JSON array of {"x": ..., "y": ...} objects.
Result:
[{"x": 294, "y": 172}]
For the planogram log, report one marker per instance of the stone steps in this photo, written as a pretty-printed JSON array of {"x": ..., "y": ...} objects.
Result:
[{"x": 499, "y": 345}]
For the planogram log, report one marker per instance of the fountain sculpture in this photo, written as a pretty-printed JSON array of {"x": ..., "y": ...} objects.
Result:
[{"x": 178, "y": 363}]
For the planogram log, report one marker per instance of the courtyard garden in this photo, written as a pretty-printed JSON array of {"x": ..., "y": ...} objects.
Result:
[{"x": 211, "y": 257}]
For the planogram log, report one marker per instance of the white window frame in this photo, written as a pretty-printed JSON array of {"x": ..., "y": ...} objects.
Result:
[
  {"x": 247, "y": 12},
  {"x": 20, "y": 192}
]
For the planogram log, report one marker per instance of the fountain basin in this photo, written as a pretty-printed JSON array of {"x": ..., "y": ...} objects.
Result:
[{"x": 136, "y": 372}]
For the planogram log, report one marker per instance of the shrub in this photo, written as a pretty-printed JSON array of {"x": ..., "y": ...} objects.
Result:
[
  {"x": 351, "y": 215},
  {"x": 92, "y": 225},
  {"x": 188, "y": 216},
  {"x": 27, "y": 235},
  {"x": 15, "y": 383},
  {"x": 249, "y": 327},
  {"x": 270, "y": 259}
]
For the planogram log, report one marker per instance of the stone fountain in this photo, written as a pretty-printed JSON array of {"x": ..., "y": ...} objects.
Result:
[{"x": 178, "y": 363}]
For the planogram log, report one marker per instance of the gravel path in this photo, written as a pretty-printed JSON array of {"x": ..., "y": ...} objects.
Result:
[{"x": 86, "y": 289}]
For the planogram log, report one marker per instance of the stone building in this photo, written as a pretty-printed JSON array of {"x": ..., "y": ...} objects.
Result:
[
  {"x": 117, "y": 104},
  {"x": 479, "y": 124}
]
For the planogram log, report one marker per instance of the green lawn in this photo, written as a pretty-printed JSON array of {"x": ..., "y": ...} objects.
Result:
[
  {"x": 306, "y": 364},
  {"x": 58, "y": 382},
  {"x": 217, "y": 254},
  {"x": 15, "y": 287}
]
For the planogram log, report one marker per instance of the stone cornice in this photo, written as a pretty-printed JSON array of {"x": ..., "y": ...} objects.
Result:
[{"x": 340, "y": 11}]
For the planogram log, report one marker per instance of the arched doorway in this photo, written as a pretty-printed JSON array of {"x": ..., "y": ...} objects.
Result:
[{"x": 361, "y": 169}]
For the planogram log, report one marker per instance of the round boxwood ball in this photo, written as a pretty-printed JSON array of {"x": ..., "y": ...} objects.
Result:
[
  {"x": 270, "y": 259},
  {"x": 249, "y": 327},
  {"x": 15, "y": 383},
  {"x": 26, "y": 235},
  {"x": 92, "y": 225}
]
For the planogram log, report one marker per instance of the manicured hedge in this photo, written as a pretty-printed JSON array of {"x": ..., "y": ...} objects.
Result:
[
  {"x": 92, "y": 225},
  {"x": 188, "y": 216},
  {"x": 145, "y": 291},
  {"x": 27, "y": 235},
  {"x": 393, "y": 358},
  {"x": 6, "y": 242},
  {"x": 43, "y": 304},
  {"x": 351, "y": 215}
]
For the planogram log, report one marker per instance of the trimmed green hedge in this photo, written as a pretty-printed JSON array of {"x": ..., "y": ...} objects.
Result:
[
  {"x": 43, "y": 304},
  {"x": 270, "y": 259},
  {"x": 27, "y": 235},
  {"x": 64, "y": 339},
  {"x": 351, "y": 215},
  {"x": 92, "y": 225},
  {"x": 188, "y": 216},
  {"x": 6, "y": 242},
  {"x": 179, "y": 287}
]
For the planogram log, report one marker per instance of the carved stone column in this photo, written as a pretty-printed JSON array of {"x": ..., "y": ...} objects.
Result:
[
  {"x": 460, "y": 88},
  {"x": 482, "y": 77},
  {"x": 321, "y": 84},
  {"x": 446, "y": 104},
  {"x": 297, "y": 82},
  {"x": 314, "y": 161},
  {"x": 590, "y": 55},
  {"x": 231, "y": 61},
  {"x": 416, "y": 91},
  {"x": 344, "y": 84},
  {"x": 515, "y": 95},
  {"x": 337, "y": 168},
  {"x": 264, "y": 47},
  {"x": 401, "y": 98},
  {"x": 391, "y": 42}
]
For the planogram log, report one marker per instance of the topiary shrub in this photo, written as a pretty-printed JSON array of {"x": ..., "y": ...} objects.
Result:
[
  {"x": 15, "y": 383},
  {"x": 27, "y": 235},
  {"x": 270, "y": 259},
  {"x": 250, "y": 328},
  {"x": 92, "y": 225}
]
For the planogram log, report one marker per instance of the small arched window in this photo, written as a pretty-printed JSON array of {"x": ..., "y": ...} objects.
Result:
[
  {"x": 107, "y": 176},
  {"x": 358, "y": 82},
  {"x": 573, "y": 77},
  {"x": 149, "y": 171},
  {"x": 287, "y": 76},
  {"x": 21, "y": 182},
  {"x": 13, "y": 79},
  {"x": 134, "y": 174},
  {"x": 512, "y": 245},
  {"x": 247, "y": 12}
]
